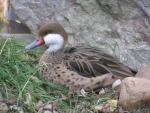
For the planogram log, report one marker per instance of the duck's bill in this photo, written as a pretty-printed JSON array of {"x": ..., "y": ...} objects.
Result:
[
  {"x": 31, "y": 45},
  {"x": 35, "y": 44}
]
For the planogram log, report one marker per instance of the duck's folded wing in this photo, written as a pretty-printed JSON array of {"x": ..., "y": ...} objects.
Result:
[{"x": 89, "y": 62}]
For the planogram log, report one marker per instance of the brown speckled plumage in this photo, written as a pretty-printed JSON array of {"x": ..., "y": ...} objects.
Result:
[{"x": 79, "y": 67}]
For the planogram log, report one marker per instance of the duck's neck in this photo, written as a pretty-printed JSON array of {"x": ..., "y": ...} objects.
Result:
[
  {"x": 50, "y": 60},
  {"x": 56, "y": 57}
]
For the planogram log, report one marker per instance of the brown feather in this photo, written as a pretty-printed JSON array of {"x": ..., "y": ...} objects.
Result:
[{"x": 89, "y": 62}]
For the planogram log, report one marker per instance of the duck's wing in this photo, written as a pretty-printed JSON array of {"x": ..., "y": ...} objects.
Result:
[{"x": 91, "y": 62}]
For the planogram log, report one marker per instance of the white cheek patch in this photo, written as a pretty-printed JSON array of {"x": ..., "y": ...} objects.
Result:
[{"x": 54, "y": 41}]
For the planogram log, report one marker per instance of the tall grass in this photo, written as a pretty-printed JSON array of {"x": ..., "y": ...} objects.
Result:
[{"x": 19, "y": 76}]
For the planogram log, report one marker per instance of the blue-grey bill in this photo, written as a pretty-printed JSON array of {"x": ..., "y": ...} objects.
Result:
[{"x": 31, "y": 45}]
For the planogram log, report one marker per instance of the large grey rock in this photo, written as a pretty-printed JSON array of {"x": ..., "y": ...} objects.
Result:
[
  {"x": 144, "y": 72},
  {"x": 120, "y": 27}
]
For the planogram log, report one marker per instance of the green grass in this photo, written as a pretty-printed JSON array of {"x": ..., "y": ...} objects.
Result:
[{"x": 19, "y": 79}]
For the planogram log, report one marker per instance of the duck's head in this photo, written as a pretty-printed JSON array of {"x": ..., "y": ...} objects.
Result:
[{"x": 53, "y": 35}]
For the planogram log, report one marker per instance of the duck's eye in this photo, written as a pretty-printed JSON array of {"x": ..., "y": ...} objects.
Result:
[{"x": 39, "y": 41}]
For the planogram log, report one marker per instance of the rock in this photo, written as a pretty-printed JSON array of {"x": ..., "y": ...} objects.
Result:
[
  {"x": 144, "y": 72},
  {"x": 46, "y": 107},
  {"x": 102, "y": 91},
  {"x": 116, "y": 84},
  {"x": 83, "y": 92},
  {"x": 3, "y": 107},
  {"x": 135, "y": 93},
  {"x": 21, "y": 111},
  {"x": 119, "y": 27}
]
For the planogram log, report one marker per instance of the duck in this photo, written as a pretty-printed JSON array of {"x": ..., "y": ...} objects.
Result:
[{"x": 77, "y": 67}]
